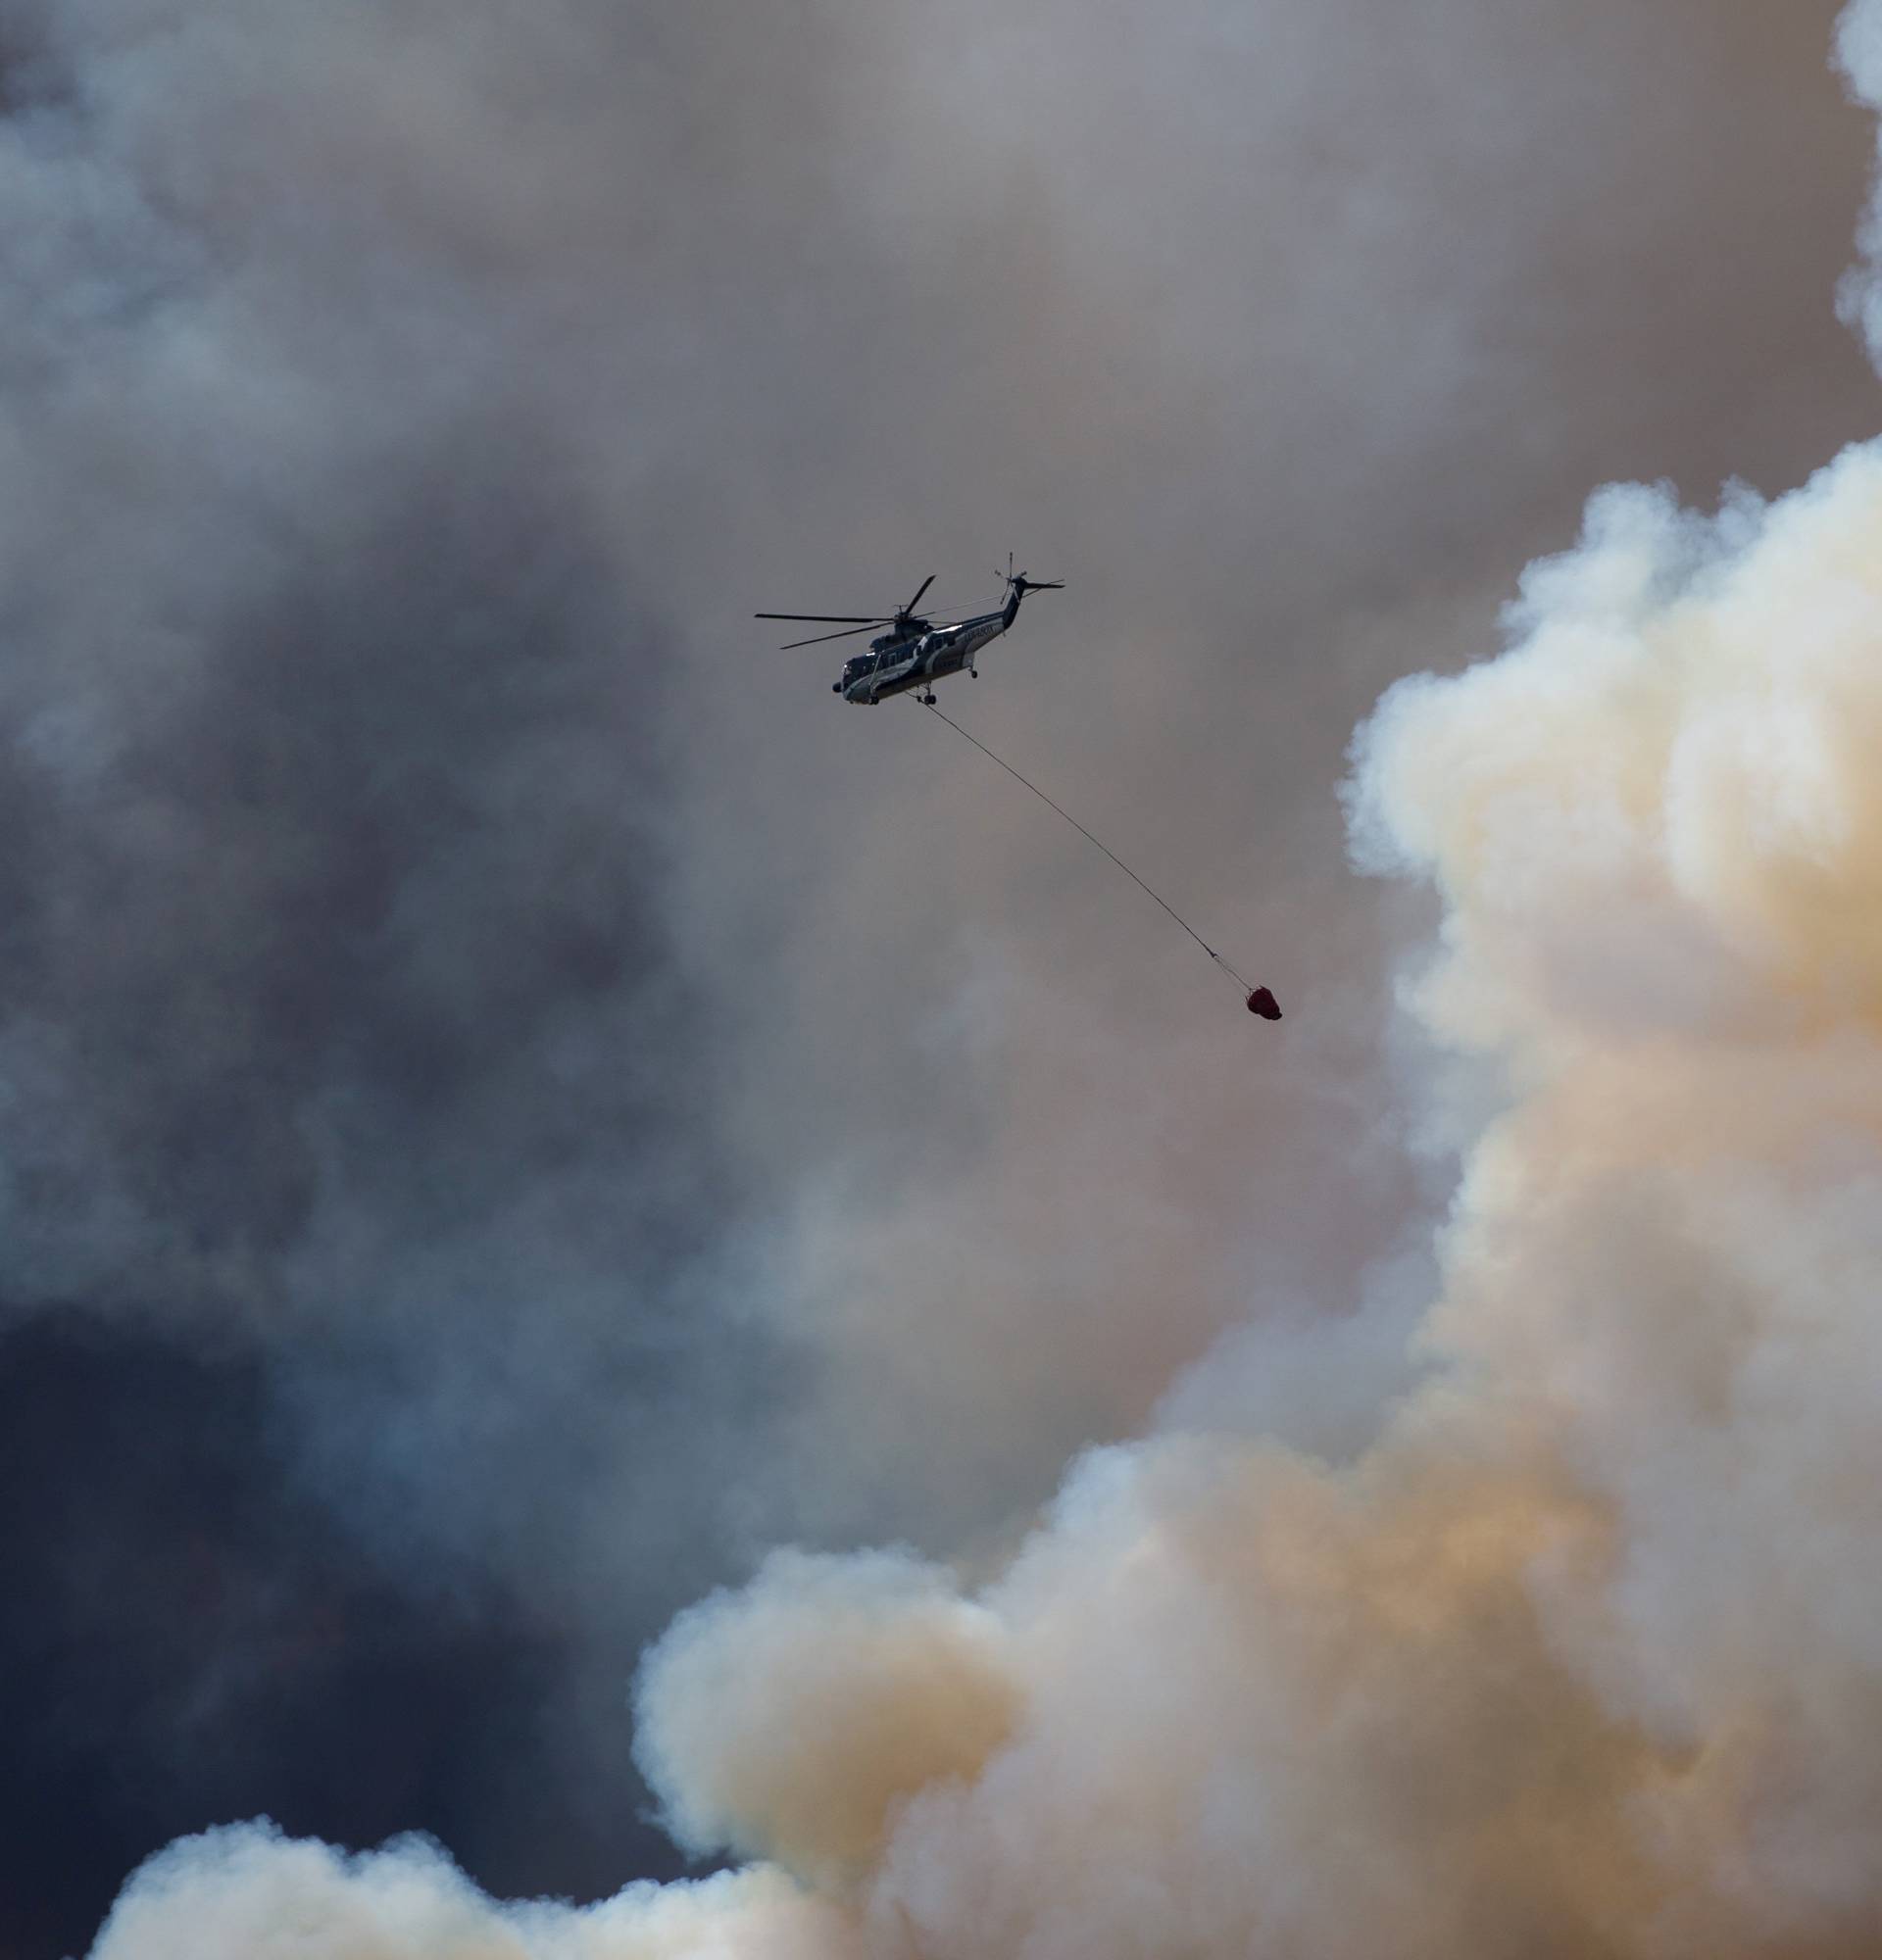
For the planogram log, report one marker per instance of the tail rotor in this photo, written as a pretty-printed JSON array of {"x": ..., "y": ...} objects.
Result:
[{"x": 1017, "y": 583}]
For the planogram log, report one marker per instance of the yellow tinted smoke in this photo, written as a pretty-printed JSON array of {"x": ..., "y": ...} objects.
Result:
[
  {"x": 1576, "y": 1658},
  {"x": 887, "y": 1683}
]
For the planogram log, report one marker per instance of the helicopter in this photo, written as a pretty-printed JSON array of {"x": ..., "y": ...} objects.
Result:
[{"x": 915, "y": 652}]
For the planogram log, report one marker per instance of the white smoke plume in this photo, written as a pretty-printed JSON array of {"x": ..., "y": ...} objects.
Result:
[
  {"x": 1581, "y": 1656},
  {"x": 266, "y": 1895},
  {"x": 1578, "y": 1654}
]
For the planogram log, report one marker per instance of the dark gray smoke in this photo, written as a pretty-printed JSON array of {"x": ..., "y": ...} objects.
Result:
[{"x": 191, "y": 1633}]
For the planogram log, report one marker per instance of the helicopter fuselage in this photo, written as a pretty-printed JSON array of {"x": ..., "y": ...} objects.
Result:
[{"x": 897, "y": 662}]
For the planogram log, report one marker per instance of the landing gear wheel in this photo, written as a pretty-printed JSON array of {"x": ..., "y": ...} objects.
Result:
[{"x": 927, "y": 700}]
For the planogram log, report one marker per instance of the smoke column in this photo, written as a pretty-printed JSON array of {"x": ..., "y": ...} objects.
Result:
[
  {"x": 513, "y": 1103},
  {"x": 1575, "y": 1651},
  {"x": 1580, "y": 1653}
]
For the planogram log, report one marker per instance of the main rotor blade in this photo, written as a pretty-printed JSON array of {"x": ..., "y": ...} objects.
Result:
[
  {"x": 848, "y": 633},
  {"x": 918, "y": 590},
  {"x": 832, "y": 618}
]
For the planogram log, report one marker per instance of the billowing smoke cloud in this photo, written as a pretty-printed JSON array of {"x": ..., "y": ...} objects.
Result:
[
  {"x": 1578, "y": 1657},
  {"x": 893, "y": 1683},
  {"x": 1578, "y": 1654},
  {"x": 273, "y": 1895},
  {"x": 621, "y": 1110}
]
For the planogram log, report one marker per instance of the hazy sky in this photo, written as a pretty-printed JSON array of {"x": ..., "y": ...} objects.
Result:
[{"x": 513, "y": 1098}]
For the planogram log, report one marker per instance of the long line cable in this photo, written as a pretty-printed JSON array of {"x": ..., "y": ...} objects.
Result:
[{"x": 1102, "y": 845}]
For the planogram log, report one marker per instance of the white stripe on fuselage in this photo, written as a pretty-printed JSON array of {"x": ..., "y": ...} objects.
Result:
[{"x": 933, "y": 657}]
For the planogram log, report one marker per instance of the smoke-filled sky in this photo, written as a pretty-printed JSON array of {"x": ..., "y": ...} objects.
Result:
[{"x": 514, "y": 1101}]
